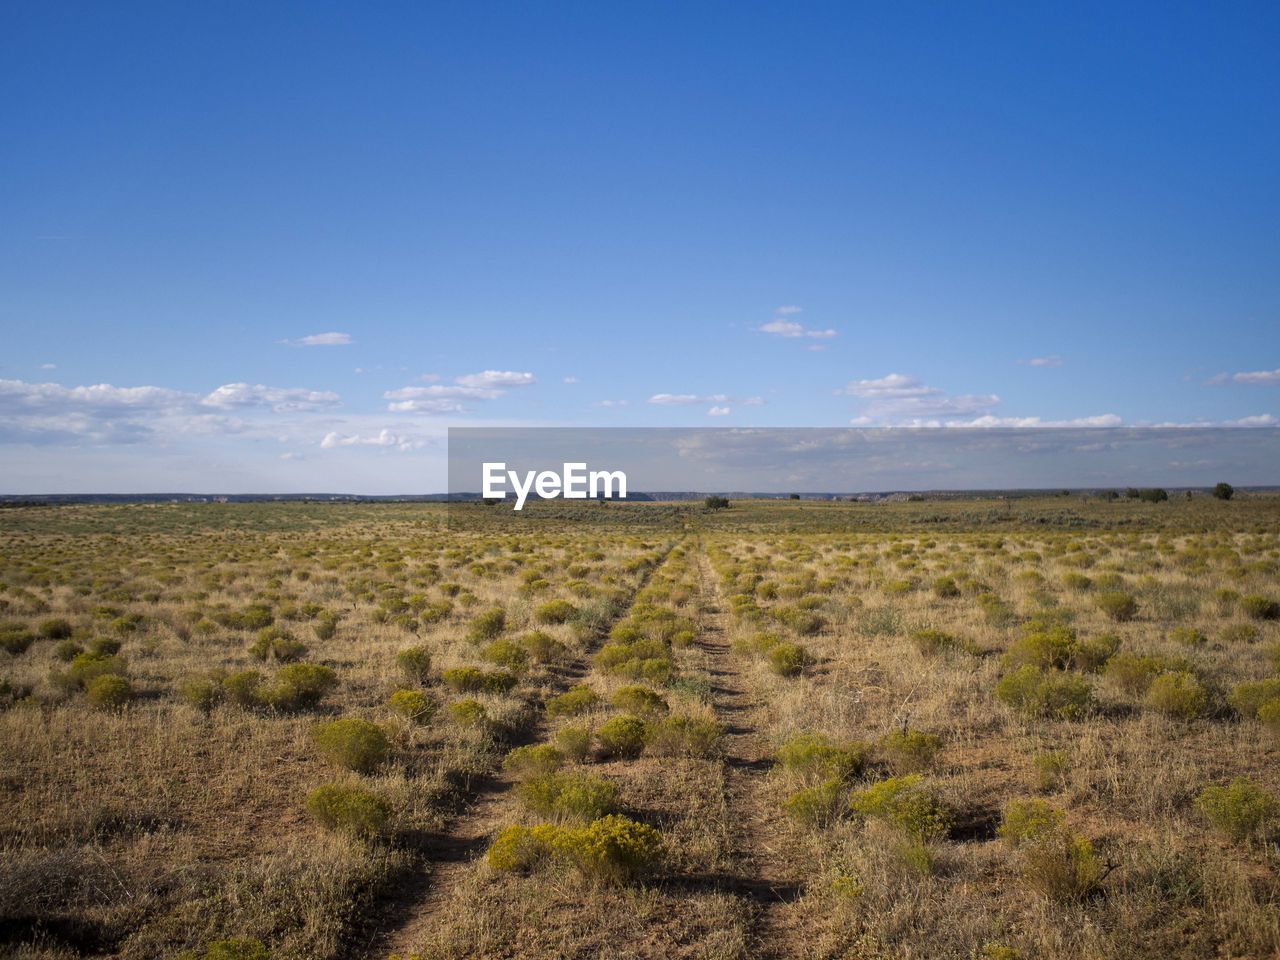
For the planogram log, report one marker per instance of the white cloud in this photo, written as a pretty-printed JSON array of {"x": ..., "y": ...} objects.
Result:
[
  {"x": 277, "y": 398},
  {"x": 571, "y": 380},
  {"x": 988, "y": 421},
  {"x": 675, "y": 399},
  {"x": 331, "y": 339},
  {"x": 613, "y": 403},
  {"x": 787, "y": 311},
  {"x": 894, "y": 385},
  {"x": 753, "y": 402},
  {"x": 1257, "y": 378},
  {"x": 496, "y": 378},
  {"x": 790, "y": 328},
  {"x": 719, "y": 411},
  {"x": 48, "y": 366},
  {"x": 50, "y": 413},
  {"x": 1052, "y": 360},
  {"x": 383, "y": 438}
]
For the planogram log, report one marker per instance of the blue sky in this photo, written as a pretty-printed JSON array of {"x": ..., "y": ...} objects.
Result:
[{"x": 597, "y": 214}]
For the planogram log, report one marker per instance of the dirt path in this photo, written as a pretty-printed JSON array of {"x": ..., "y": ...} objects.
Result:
[
  {"x": 405, "y": 918},
  {"x": 765, "y": 874}
]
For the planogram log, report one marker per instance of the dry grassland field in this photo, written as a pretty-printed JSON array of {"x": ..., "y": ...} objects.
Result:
[{"x": 1041, "y": 728}]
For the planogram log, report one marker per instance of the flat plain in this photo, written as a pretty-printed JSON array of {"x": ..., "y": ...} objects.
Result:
[{"x": 1041, "y": 727}]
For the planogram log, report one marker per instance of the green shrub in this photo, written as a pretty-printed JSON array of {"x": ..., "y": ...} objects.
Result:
[
  {"x": 506, "y": 653},
  {"x": 109, "y": 691},
  {"x": 415, "y": 663},
  {"x": 202, "y": 692},
  {"x": 274, "y": 642},
  {"x": 910, "y": 751},
  {"x": 623, "y": 736},
  {"x": 1269, "y": 714},
  {"x": 16, "y": 638},
  {"x": 238, "y": 948},
  {"x": 299, "y": 686},
  {"x": 1241, "y": 809},
  {"x": 472, "y": 680},
  {"x": 243, "y": 688},
  {"x": 1178, "y": 695},
  {"x": 816, "y": 806},
  {"x": 788, "y": 659},
  {"x": 1044, "y": 648},
  {"x": 575, "y": 742},
  {"x": 520, "y": 848},
  {"x": 352, "y": 743},
  {"x": 1133, "y": 673},
  {"x": 1050, "y": 767},
  {"x": 1091, "y": 654},
  {"x": 104, "y": 646},
  {"x": 612, "y": 849},
  {"x": 814, "y": 756},
  {"x": 1260, "y": 608},
  {"x": 56, "y": 628},
  {"x": 639, "y": 700},
  {"x": 1248, "y": 697},
  {"x": 533, "y": 760},
  {"x": 543, "y": 647},
  {"x": 1117, "y": 605},
  {"x": 946, "y": 587},
  {"x": 67, "y": 650},
  {"x": 349, "y": 809},
  {"x": 572, "y": 702},
  {"x": 412, "y": 705},
  {"x": 1029, "y": 820},
  {"x": 1239, "y": 633},
  {"x": 555, "y": 611},
  {"x": 1061, "y": 866},
  {"x": 487, "y": 625},
  {"x": 325, "y": 626},
  {"x": 1187, "y": 636},
  {"x": 930, "y": 641},
  {"x": 683, "y": 735},
  {"x": 1076, "y": 581},
  {"x": 578, "y": 796},
  {"x": 905, "y": 803},
  {"x": 469, "y": 713},
  {"x": 1050, "y": 694}
]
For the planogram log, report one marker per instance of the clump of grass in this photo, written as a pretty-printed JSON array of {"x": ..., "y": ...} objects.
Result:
[
  {"x": 56, "y": 628},
  {"x": 788, "y": 659},
  {"x": 534, "y": 760},
  {"x": 352, "y": 743},
  {"x": 579, "y": 796},
  {"x": 487, "y": 625},
  {"x": 905, "y": 803},
  {"x": 1049, "y": 694},
  {"x": 1057, "y": 863},
  {"x": 818, "y": 805},
  {"x": 1091, "y": 654},
  {"x": 812, "y": 756},
  {"x": 109, "y": 691},
  {"x": 412, "y": 705},
  {"x": 237, "y": 948},
  {"x": 1242, "y": 809},
  {"x": 473, "y": 680},
  {"x": 15, "y": 638},
  {"x": 415, "y": 663},
  {"x": 87, "y": 666},
  {"x": 543, "y": 647},
  {"x": 349, "y": 809},
  {"x": 1187, "y": 636},
  {"x": 1260, "y": 608},
  {"x": 946, "y": 587},
  {"x": 623, "y": 736},
  {"x": 506, "y": 653},
  {"x": 1248, "y": 698},
  {"x": 683, "y": 735},
  {"x": 576, "y": 742},
  {"x": 572, "y": 702},
  {"x": 931, "y": 642},
  {"x": 639, "y": 700},
  {"x": 1050, "y": 767},
  {"x": 555, "y": 611},
  {"x": 277, "y": 643},
  {"x": 67, "y": 650},
  {"x": 909, "y": 751},
  {"x": 1239, "y": 633},
  {"x": 298, "y": 686},
  {"x": 613, "y": 849},
  {"x": 1179, "y": 695},
  {"x": 1118, "y": 605},
  {"x": 469, "y": 713}
]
